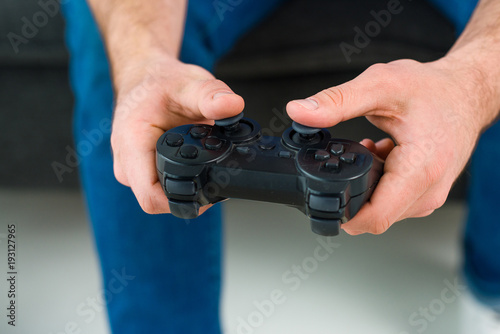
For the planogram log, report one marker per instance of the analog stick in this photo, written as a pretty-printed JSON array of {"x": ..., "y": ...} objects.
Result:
[
  {"x": 304, "y": 133},
  {"x": 237, "y": 128},
  {"x": 230, "y": 124}
]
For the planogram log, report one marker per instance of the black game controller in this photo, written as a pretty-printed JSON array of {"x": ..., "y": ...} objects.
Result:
[{"x": 327, "y": 179}]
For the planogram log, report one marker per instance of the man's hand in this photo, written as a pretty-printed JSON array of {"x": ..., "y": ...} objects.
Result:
[
  {"x": 435, "y": 113},
  {"x": 152, "y": 97},
  {"x": 154, "y": 91}
]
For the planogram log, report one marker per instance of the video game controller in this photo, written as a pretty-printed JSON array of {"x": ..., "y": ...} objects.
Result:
[{"x": 327, "y": 179}]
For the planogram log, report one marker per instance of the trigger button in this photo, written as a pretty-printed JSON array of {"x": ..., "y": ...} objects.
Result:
[
  {"x": 325, "y": 227},
  {"x": 324, "y": 203},
  {"x": 180, "y": 187},
  {"x": 184, "y": 209}
]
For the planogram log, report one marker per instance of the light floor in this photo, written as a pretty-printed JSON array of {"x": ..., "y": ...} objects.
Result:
[{"x": 368, "y": 284}]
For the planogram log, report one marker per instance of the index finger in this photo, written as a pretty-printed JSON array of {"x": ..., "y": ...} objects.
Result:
[{"x": 395, "y": 193}]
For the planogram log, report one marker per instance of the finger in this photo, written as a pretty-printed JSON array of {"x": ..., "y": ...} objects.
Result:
[
  {"x": 394, "y": 194},
  {"x": 118, "y": 171},
  {"x": 384, "y": 207},
  {"x": 204, "y": 208},
  {"x": 384, "y": 147},
  {"x": 371, "y": 93},
  {"x": 138, "y": 160},
  {"x": 420, "y": 214},
  {"x": 431, "y": 200},
  {"x": 369, "y": 144},
  {"x": 352, "y": 232},
  {"x": 210, "y": 99}
]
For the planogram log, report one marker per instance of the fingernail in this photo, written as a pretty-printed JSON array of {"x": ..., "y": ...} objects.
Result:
[
  {"x": 308, "y": 104},
  {"x": 217, "y": 95}
]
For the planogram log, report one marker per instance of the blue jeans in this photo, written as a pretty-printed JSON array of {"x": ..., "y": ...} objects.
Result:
[
  {"x": 170, "y": 270},
  {"x": 482, "y": 232},
  {"x": 173, "y": 269}
]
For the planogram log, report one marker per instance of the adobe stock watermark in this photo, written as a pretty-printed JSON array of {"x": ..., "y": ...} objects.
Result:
[
  {"x": 223, "y": 6},
  {"x": 372, "y": 29},
  {"x": 87, "y": 310},
  {"x": 84, "y": 148},
  {"x": 293, "y": 279},
  {"x": 30, "y": 26},
  {"x": 429, "y": 313}
]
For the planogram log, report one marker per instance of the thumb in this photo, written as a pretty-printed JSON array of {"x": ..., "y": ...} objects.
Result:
[
  {"x": 212, "y": 99},
  {"x": 367, "y": 94}
]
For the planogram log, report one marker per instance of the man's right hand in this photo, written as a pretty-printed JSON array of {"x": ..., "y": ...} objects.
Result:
[{"x": 152, "y": 97}]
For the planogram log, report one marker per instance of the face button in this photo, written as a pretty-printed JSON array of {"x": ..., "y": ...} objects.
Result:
[
  {"x": 285, "y": 154},
  {"x": 174, "y": 139},
  {"x": 337, "y": 149},
  {"x": 324, "y": 203},
  {"x": 189, "y": 152},
  {"x": 198, "y": 132},
  {"x": 213, "y": 143},
  {"x": 333, "y": 163},
  {"x": 348, "y": 158},
  {"x": 179, "y": 187},
  {"x": 266, "y": 147},
  {"x": 321, "y": 155}
]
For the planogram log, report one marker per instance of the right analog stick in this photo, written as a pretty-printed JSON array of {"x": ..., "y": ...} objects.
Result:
[{"x": 305, "y": 132}]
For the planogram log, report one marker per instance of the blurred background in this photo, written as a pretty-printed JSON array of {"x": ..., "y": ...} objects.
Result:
[{"x": 367, "y": 283}]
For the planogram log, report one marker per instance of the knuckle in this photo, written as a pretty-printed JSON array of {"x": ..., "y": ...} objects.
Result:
[
  {"x": 435, "y": 201},
  {"x": 147, "y": 204},
  {"x": 381, "y": 225},
  {"x": 378, "y": 69},
  {"x": 119, "y": 175},
  {"x": 389, "y": 80},
  {"x": 404, "y": 63},
  {"x": 219, "y": 83},
  {"x": 426, "y": 213},
  {"x": 116, "y": 143},
  {"x": 212, "y": 84},
  {"x": 117, "y": 169},
  {"x": 336, "y": 96},
  {"x": 438, "y": 200},
  {"x": 433, "y": 173}
]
